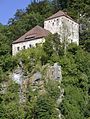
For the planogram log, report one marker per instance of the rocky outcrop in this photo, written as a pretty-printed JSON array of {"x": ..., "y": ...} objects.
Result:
[{"x": 36, "y": 80}]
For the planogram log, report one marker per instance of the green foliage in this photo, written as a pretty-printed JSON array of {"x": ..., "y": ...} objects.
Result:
[
  {"x": 9, "y": 101},
  {"x": 75, "y": 64},
  {"x": 52, "y": 87},
  {"x": 75, "y": 82},
  {"x": 73, "y": 105},
  {"x": 53, "y": 45},
  {"x": 32, "y": 57},
  {"x": 46, "y": 108},
  {"x": 13, "y": 111}
]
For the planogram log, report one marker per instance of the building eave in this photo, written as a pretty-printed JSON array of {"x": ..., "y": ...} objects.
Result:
[{"x": 27, "y": 40}]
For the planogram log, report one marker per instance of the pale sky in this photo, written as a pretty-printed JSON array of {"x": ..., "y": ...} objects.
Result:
[{"x": 9, "y": 7}]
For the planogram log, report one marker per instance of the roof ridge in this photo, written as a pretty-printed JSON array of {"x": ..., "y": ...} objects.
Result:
[{"x": 59, "y": 14}]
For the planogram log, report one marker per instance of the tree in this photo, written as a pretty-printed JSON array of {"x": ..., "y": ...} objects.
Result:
[
  {"x": 65, "y": 36},
  {"x": 46, "y": 108},
  {"x": 53, "y": 45}
]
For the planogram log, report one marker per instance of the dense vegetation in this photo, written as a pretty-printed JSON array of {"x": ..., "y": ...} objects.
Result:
[{"x": 75, "y": 64}]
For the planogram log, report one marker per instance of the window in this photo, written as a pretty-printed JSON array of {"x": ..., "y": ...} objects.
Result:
[
  {"x": 18, "y": 48},
  {"x": 30, "y": 46},
  {"x": 57, "y": 22},
  {"x": 23, "y": 47},
  {"x": 71, "y": 40},
  {"x": 37, "y": 44},
  {"x": 53, "y": 24}
]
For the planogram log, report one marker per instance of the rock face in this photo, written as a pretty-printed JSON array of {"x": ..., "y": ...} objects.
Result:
[
  {"x": 17, "y": 75},
  {"x": 37, "y": 76},
  {"x": 57, "y": 75},
  {"x": 37, "y": 79},
  {"x": 54, "y": 72}
]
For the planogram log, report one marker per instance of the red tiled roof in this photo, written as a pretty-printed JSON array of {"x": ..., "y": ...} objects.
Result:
[
  {"x": 59, "y": 14},
  {"x": 34, "y": 33}
]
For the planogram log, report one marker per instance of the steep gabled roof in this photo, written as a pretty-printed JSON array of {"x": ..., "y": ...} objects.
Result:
[
  {"x": 59, "y": 14},
  {"x": 34, "y": 33}
]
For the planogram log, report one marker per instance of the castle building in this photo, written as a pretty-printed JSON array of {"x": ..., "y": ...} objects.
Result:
[
  {"x": 64, "y": 25},
  {"x": 59, "y": 23},
  {"x": 30, "y": 39}
]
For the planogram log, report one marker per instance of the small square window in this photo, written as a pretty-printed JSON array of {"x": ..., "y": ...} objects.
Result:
[
  {"x": 18, "y": 48},
  {"x": 57, "y": 21},
  {"x": 23, "y": 47},
  {"x": 71, "y": 40},
  {"x": 37, "y": 44},
  {"x": 30, "y": 46},
  {"x": 53, "y": 23}
]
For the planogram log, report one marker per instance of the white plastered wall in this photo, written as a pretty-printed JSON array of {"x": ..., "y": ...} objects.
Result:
[
  {"x": 26, "y": 44},
  {"x": 55, "y": 26}
]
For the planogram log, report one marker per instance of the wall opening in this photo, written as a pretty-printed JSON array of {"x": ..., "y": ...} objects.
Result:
[
  {"x": 18, "y": 48},
  {"x": 24, "y": 47}
]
